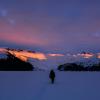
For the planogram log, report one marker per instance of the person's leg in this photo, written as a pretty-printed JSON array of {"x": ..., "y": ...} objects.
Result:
[{"x": 52, "y": 80}]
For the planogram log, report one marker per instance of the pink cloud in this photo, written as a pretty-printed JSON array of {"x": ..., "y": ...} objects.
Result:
[
  {"x": 21, "y": 39},
  {"x": 56, "y": 55}
]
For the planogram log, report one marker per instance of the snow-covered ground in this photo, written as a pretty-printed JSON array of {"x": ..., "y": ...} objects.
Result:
[{"x": 36, "y": 86}]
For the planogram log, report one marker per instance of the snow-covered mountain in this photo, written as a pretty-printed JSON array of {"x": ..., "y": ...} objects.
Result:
[
  {"x": 88, "y": 62},
  {"x": 3, "y": 53},
  {"x": 37, "y": 59},
  {"x": 51, "y": 61}
]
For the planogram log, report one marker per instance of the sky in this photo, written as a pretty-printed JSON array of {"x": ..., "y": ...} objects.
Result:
[{"x": 51, "y": 26}]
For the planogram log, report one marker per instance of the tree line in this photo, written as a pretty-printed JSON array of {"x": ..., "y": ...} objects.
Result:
[{"x": 78, "y": 67}]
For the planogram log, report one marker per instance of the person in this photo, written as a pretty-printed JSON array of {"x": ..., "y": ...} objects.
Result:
[{"x": 52, "y": 76}]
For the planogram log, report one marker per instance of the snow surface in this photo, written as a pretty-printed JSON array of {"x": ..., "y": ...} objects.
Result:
[
  {"x": 3, "y": 56},
  {"x": 36, "y": 85}
]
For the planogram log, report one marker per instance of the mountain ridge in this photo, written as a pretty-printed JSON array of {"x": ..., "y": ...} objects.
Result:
[{"x": 51, "y": 61}]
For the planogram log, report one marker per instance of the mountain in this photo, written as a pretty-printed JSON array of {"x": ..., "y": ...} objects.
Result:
[
  {"x": 12, "y": 63},
  {"x": 88, "y": 62},
  {"x": 24, "y": 56},
  {"x": 81, "y": 64},
  {"x": 3, "y": 55},
  {"x": 46, "y": 61}
]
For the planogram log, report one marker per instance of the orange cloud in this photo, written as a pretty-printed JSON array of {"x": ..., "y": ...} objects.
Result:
[{"x": 24, "y": 55}]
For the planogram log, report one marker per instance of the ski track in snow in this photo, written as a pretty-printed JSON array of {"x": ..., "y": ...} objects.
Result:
[{"x": 36, "y": 86}]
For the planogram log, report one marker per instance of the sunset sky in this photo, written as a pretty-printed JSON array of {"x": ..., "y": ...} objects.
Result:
[{"x": 51, "y": 26}]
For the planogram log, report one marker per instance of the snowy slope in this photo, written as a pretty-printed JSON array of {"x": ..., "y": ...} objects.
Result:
[
  {"x": 3, "y": 54},
  {"x": 46, "y": 64},
  {"x": 88, "y": 62},
  {"x": 36, "y": 86}
]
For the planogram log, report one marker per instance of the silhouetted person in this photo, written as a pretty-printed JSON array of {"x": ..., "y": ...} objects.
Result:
[{"x": 52, "y": 76}]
